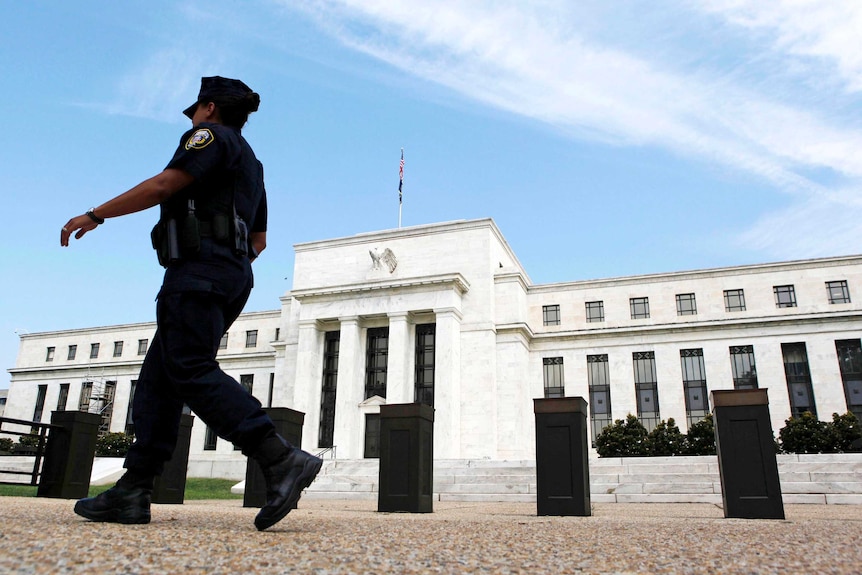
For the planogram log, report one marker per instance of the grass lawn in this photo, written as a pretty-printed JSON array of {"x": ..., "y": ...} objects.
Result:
[{"x": 196, "y": 488}]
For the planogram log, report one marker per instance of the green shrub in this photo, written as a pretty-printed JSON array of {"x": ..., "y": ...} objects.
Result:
[
  {"x": 623, "y": 438},
  {"x": 845, "y": 430},
  {"x": 113, "y": 445},
  {"x": 6, "y": 445},
  {"x": 806, "y": 434},
  {"x": 630, "y": 438},
  {"x": 665, "y": 439},
  {"x": 700, "y": 439},
  {"x": 29, "y": 440}
]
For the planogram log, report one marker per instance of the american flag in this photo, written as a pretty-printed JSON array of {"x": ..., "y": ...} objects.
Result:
[{"x": 400, "y": 175}]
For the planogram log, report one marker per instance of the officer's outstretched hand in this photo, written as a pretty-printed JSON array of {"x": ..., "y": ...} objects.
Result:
[{"x": 80, "y": 224}]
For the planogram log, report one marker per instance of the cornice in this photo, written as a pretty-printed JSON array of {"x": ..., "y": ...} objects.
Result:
[
  {"x": 455, "y": 280},
  {"x": 519, "y": 328},
  {"x": 513, "y": 277},
  {"x": 733, "y": 271}
]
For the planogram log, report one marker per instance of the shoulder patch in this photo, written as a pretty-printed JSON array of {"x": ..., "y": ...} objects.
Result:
[{"x": 200, "y": 139}]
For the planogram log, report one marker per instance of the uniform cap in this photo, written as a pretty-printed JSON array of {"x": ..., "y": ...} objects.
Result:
[{"x": 224, "y": 92}]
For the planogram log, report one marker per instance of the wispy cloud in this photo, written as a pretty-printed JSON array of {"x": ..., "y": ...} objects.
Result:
[
  {"x": 160, "y": 87},
  {"x": 164, "y": 82},
  {"x": 826, "y": 31},
  {"x": 550, "y": 61}
]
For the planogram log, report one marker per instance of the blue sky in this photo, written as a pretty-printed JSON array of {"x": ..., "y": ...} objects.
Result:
[{"x": 605, "y": 138}]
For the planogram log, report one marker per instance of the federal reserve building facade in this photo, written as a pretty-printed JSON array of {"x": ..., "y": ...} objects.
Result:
[{"x": 445, "y": 314}]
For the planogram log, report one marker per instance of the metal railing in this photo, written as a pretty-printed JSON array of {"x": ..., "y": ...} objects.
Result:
[
  {"x": 37, "y": 430},
  {"x": 329, "y": 450}
]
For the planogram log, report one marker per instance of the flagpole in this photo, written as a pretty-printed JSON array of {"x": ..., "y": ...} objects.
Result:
[{"x": 400, "y": 184}]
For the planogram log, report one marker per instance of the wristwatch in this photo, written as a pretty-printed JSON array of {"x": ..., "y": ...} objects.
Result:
[{"x": 94, "y": 217}]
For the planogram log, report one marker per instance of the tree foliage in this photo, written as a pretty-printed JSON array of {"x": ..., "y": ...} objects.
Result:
[
  {"x": 623, "y": 438},
  {"x": 700, "y": 439},
  {"x": 846, "y": 432},
  {"x": 630, "y": 438},
  {"x": 29, "y": 440},
  {"x": 113, "y": 445},
  {"x": 807, "y": 434},
  {"x": 665, "y": 439}
]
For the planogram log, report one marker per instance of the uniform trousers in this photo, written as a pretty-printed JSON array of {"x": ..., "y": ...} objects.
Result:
[{"x": 199, "y": 300}]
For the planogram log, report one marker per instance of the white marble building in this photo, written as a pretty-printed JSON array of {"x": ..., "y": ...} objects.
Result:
[{"x": 447, "y": 311}]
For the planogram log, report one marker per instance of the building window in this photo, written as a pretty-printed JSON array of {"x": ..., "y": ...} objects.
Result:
[
  {"x": 850, "y": 363},
  {"x": 247, "y": 382},
  {"x": 118, "y": 349},
  {"x": 553, "y": 375},
  {"x": 277, "y": 333},
  {"x": 640, "y": 307},
  {"x": 798, "y": 379},
  {"x": 210, "y": 439},
  {"x": 424, "y": 370},
  {"x": 251, "y": 338},
  {"x": 143, "y": 344},
  {"x": 63, "y": 398},
  {"x": 785, "y": 296},
  {"x": 646, "y": 388},
  {"x": 734, "y": 300},
  {"x": 376, "y": 361},
  {"x": 742, "y": 366},
  {"x": 49, "y": 354},
  {"x": 838, "y": 292},
  {"x": 595, "y": 311},
  {"x": 600, "y": 393},
  {"x": 40, "y": 402},
  {"x": 551, "y": 314},
  {"x": 694, "y": 383},
  {"x": 73, "y": 351},
  {"x": 94, "y": 350},
  {"x": 326, "y": 431},
  {"x": 84, "y": 398},
  {"x": 130, "y": 421},
  {"x": 106, "y": 406},
  {"x": 372, "y": 436},
  {"x": 223, "y": 343},
  {"x": 685, "y": 304}
]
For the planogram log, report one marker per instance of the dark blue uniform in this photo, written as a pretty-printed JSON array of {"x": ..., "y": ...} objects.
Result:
[
  {"x": 201, "y": 296},
  {"x": 203, "y": 240}
]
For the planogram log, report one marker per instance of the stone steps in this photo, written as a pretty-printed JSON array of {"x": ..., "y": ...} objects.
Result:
[{"x": 804, "y": 479}]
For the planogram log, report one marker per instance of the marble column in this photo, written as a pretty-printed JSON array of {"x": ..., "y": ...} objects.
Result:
[
  {"x": 399, "y": 380},
  {"x": 447, "y": 384},
  {"x": 349, "y": 430},
  {"x": 309, "y": 372}
]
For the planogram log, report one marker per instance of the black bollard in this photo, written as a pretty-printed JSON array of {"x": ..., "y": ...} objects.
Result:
[
  {"x": 750, "y": 488},
  {"x": 406, "y": 458},
  {"x": 170, "y": 486},
  {"x": 288, "y": 423},
  {"x": 69, "y": 455},
  {"x": 562, "y": 457}
]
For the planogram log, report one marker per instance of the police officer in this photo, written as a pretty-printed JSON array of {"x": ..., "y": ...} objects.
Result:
[{"x": 212, "y": 226}]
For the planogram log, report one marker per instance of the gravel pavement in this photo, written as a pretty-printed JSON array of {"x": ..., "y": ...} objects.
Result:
[{"x": 331, "y": 537}]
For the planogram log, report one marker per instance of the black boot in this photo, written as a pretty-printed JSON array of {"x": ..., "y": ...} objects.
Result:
[
  {"x": 117, "y": 505},
  {"x": 287, "y": 470}
]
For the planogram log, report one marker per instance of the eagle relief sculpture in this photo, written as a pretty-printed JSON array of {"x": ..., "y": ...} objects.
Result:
[{"x": 387, "y": 258}]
